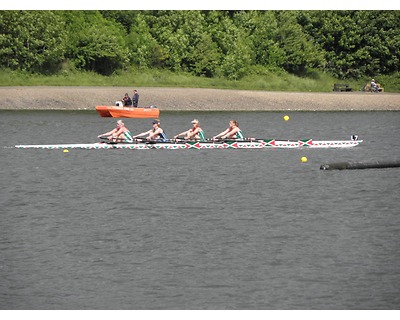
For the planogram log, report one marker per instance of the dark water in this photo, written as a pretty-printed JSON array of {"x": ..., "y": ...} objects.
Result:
[{"x": 199, "y": 229}]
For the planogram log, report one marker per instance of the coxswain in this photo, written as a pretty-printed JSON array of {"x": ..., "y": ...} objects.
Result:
[
  {"x": 195, "y": 133},
  {"x": 155, "y": 133},
  {"x": 119, "y": 134},
  {"x": 233, "y": 132}
]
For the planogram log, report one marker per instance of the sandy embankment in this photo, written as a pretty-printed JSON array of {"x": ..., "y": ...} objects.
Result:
[{"x": 177, "y": 99}]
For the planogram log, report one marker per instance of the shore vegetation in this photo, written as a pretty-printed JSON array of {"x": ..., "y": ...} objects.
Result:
[
  {"x": 285, "y": 50},
  {"x": 272, "y": 81}
]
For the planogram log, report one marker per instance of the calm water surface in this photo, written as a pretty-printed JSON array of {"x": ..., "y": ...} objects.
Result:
[{"x": 199, "y": 229}]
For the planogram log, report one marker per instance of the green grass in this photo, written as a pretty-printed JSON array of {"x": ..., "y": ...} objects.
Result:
[{"x": 279, "y": 81}]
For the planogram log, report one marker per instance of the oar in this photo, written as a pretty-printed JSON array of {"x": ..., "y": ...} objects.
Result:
[
  {"x": 140, "y": 138},
  {"x": 183, "y": 140},
  {"x": 263, "y": 139},
  {"x": 234, "y": 140},
  {"x": 120, "y": 140},
  {"x": 162, "y": 141},
  {"x": 109, "y": 141}
]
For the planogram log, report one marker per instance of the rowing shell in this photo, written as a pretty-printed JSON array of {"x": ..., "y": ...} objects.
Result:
[{"x": 258, "y": 144}]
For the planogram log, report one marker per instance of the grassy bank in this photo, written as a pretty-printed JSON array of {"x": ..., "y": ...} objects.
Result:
[{"x": 314, "y": 82}]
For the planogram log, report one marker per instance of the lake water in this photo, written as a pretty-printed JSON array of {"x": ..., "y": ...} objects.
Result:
[{"x": 199, "y": 229}]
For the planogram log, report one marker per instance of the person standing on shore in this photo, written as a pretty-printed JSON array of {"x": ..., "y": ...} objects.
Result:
[
  {"x": 233, "y": 132},
  {"x": 119, "y": 134},
  {"x": 135, "y": 98}
]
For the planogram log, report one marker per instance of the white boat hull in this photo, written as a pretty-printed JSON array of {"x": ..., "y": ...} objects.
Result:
[{"x": 256, "y": 144}]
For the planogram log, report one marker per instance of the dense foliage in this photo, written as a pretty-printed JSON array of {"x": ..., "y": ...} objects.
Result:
[{"x": 229, "y": 44}]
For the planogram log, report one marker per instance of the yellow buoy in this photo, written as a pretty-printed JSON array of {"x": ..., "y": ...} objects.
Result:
[
  {"x": 65, "y": 150},
  {"x": 286, "y": 118},
  {"x": 303, "y": 159}
]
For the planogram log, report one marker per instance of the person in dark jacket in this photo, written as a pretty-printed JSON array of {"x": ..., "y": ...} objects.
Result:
[
  {"x": 135, "y": 98},
  {"x": 127, "y": 101}
]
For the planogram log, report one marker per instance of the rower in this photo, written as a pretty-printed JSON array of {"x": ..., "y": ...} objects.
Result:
[
  {"x": 156, "y": 133},
  {"x": 195, "y": 133},
  {"x": 233, "y": 132},
  {"x": 119, "y": 134}
]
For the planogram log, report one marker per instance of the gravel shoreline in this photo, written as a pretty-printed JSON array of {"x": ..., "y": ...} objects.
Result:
[{"x": 193, "y": 99}]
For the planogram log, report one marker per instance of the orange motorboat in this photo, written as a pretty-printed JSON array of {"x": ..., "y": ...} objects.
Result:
[{"x": 128, "y": 112}]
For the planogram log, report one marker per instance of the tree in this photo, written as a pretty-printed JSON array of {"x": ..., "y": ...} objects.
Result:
[
  {"x": 208, "y": 43},
  {"x": 96, "y": 44},
  {"x": 356, "y": 43},
  {"x": 32, "y": 40},
  {"x": 234, "y": 44},
  {"x": 263, "y": 27},
  {"x": 144, "y": 51},
  {"x": 127, "y": 19},
  {"x": 205, "y": 57},
  {"x": 300, "y": 52}
]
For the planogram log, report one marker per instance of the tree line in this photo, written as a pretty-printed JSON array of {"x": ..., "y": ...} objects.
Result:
[{"x": 230, "y": 44}]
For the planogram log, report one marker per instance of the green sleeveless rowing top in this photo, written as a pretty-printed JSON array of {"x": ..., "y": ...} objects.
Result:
[
  {"x": 128, "y": 136},
  {"x": 201, "y": 135}
]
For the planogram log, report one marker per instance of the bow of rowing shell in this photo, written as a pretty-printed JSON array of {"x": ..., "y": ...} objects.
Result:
[{"x": 258, "y": 144}]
